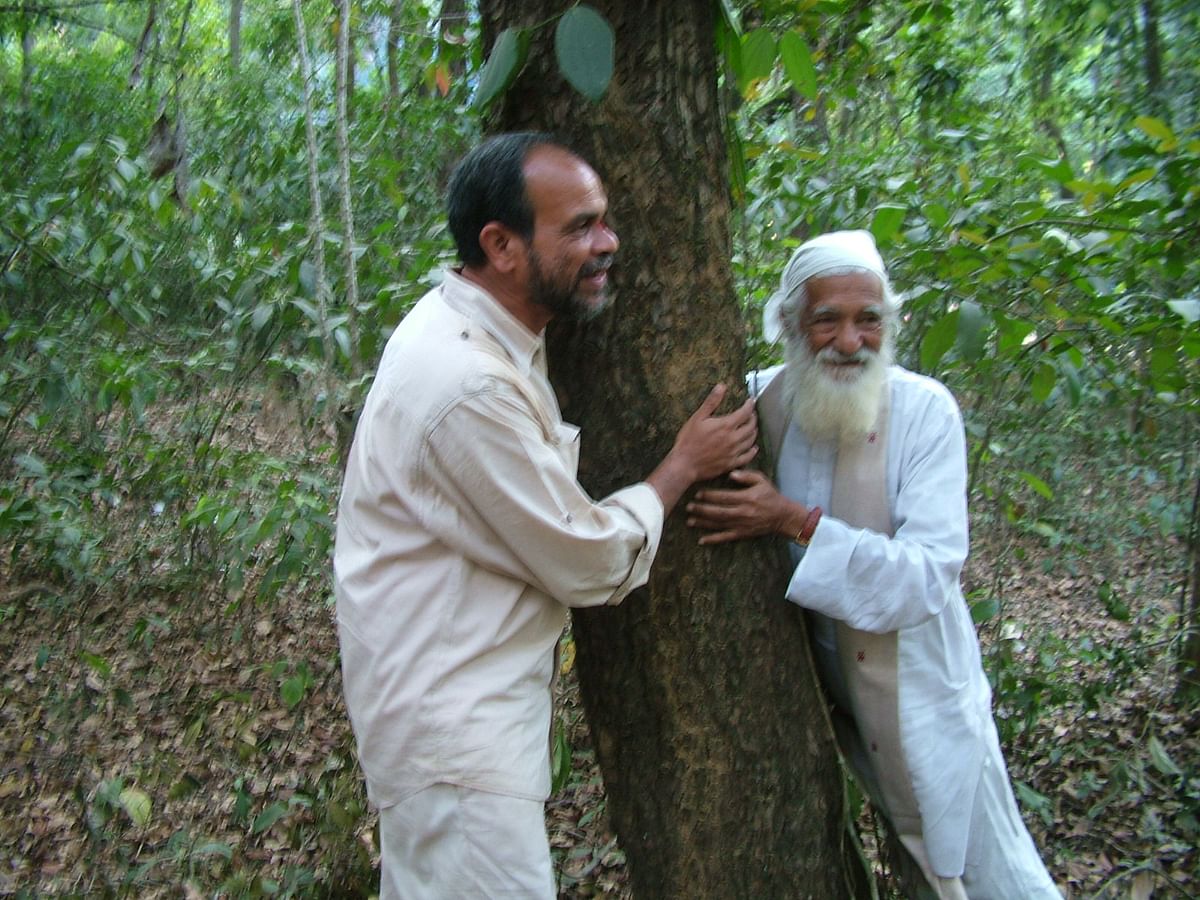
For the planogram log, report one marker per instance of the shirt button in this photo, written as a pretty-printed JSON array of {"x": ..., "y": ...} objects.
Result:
[{"x": 465, "y": 335}]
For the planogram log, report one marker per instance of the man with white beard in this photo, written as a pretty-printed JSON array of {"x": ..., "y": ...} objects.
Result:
[{"x": 870, "y": 460}]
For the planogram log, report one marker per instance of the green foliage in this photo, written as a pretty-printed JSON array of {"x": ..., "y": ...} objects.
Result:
[
  {"x": 583, "y": 48},
  {"x": 165, "y": 416}
]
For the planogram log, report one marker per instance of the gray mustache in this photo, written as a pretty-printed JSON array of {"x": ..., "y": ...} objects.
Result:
[
  {"x": 833, "y": 355},
  {"x": 598, "y": 265}
]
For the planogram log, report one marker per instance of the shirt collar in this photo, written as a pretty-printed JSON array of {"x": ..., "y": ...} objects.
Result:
[{"x": 469, "y": 299}]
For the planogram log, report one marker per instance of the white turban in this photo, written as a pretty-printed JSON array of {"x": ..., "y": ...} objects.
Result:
[{"x": 824, "y": 253}]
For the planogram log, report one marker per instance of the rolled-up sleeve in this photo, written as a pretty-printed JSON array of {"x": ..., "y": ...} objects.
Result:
[{"x": 502, "y": 492}]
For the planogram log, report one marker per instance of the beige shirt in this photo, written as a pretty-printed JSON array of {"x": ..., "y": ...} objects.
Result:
[{"x": 462, "y": 538}]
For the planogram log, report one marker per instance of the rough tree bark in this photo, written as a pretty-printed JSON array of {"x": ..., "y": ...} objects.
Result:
[{"x": 718, "y": 760}]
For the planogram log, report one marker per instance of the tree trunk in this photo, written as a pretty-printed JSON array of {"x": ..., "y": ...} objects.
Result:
[
  {"x": 316, "y": 228},
  {"x": 344, "y": 51},
  {"x": 345, "y": 8},
  {"x": 718, "y": 758},
  {"x": 1152, "y": 56},
  {"x": 1189, "y": 607},
  {"x": 26, "y": 90},
  {"x": 235, "y": 34},
  {"x": 395, "y": 13}
]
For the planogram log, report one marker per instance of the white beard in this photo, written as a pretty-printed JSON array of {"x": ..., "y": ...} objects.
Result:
[{"x": 829, "y": 402}]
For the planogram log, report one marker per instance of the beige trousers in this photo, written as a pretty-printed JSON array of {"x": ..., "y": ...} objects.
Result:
[{"x": 453, "y": 843}]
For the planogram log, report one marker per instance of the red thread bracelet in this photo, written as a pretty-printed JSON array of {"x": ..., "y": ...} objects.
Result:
[{"x": 804, "y": 535}]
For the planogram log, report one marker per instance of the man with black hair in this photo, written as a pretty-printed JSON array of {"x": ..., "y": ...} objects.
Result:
[{"x": 463, "y": 536}]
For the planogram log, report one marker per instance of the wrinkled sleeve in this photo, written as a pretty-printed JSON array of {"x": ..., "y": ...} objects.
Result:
[
  {"x": 505, "y": 496},
  {"x": 877, "y": 583}
]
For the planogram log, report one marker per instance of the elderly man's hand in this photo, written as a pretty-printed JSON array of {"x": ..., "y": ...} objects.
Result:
[{"x": 755, "y": 509}]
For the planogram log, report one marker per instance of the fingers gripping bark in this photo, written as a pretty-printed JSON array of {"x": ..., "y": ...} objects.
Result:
[{"x": 706, "y": 446}]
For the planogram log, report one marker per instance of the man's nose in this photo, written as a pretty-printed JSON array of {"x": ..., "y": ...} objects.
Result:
[
  {"x": 848, "y": 339},
  {"x": 606, "y": 240}
]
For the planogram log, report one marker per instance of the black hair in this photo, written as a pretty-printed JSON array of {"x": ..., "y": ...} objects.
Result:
[{"x": 488, "y": 185}]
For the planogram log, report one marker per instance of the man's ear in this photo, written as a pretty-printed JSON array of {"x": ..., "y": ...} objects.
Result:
[{"x": 504, "y": 249}]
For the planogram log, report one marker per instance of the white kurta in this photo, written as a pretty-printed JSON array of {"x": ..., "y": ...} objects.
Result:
[
  {"x": 462, "y": 538},
  {"x": 909, "y": 583}
]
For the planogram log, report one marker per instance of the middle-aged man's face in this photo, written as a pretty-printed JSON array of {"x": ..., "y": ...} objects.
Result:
[
  {"x": 843, "y": 323},
  {"x": 572, "y": 245}
]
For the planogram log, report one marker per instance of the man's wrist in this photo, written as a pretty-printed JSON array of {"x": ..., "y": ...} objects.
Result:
[
  {"x": 805, "y": 532},
  {"x": 671, "y": 479}
]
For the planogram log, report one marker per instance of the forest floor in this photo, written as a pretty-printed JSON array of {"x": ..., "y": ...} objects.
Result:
[
  {"x": 1107, "y": 775},
  {"x": 157, "y": 741}
]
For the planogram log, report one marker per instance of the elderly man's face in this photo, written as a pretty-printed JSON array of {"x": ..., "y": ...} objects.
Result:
[{"x": 843, "y": 322}]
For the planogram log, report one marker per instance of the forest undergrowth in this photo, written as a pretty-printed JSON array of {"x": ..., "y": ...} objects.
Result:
[{"x": 159, "y": 734}]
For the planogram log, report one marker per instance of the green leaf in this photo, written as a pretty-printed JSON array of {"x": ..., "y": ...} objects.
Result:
[
  {"x": 268, "y": 817},
  {"x": 342, "y": 337},
  {"x": 1139, "y": 177},
  {"x": 971, "y": 334},
  {"x": 502, "y": 66},
  {"x": 1031, "y": 799},
  {"x": 307, "y": 274},
  {"x": 936, "y": 214},
  {"x": 1074, "y": 385},
  {"x": 1164, "y": 367},
  {"x": 292, "y": 690},
  {"x": 938, "y": 340},
  {"x": 1162, "y": 759},
  {"x": 96, "y": 663},
  {"x": 1058, "y": 169},
  {"x": 758, "y": 57},
  {"x": 560, "y": 760},
  {"x": 1156, "y": 128},
  {"x": 1043, "y": 382},
  {"x": 983, "y": 610},
  {"x": 887, "y": 221},
  {"x": 127, "y": 169},
  {"x": 1113, "y": 604},
  {"x": 187, "y": 784},
  {"x": 730, "y": 17},
  {"x": 1037, "y": 484},
  {"x": 1188, "y": 309},
  {"x": 583, "y": 45},
  {"x": 261, "y": 316},
  {"x": 310, "y": 312},
  {"x": 798, "y": 64},
  {"x": 32, "y": 464},
  {"x": 136, "y": 804},
  {"x": 729, "y": 48}
]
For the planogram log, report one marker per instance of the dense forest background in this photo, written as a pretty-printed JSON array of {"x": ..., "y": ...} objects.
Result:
[{"x": 212, "y": 215}]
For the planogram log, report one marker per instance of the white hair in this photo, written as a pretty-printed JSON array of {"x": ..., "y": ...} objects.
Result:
[
  {"x": 791, "y": 307},
  {"x": 835, "y": 253}
]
